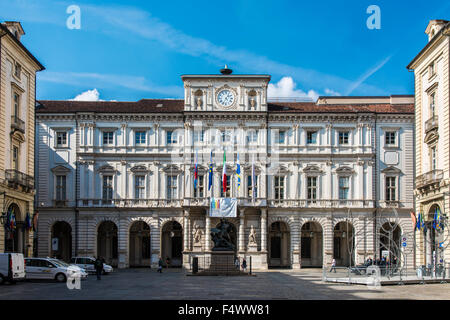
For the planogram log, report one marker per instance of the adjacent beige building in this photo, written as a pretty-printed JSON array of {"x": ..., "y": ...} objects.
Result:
[
  {"x": 432, "y": 160},
  {"x": 18, "y": 69}
]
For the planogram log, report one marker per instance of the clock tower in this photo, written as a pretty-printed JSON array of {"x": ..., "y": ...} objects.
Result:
[{"x": 225, "y": 92}]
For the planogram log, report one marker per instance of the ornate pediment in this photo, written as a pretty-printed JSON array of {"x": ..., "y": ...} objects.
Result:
[
  {"x": 312, "y": 169},
  {"x": 345, "y": 170},
  {"x": 106, "y": 169},
  {"x": 391, "y": 170},
  {"x": 431, "y": 137},
  {"x": 172, "y": 169},
  {"x": 60, "y": 170},
  {"x": 139, "y": 169}
]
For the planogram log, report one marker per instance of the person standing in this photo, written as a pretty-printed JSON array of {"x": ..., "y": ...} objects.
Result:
[
  {"x": 98, "y": 264},
  {"x": 333, "y": 265},
  {"x": 160, "y": 265},
  {"x": 244, "y": 265}
]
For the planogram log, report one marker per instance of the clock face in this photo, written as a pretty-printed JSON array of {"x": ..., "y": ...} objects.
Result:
[{"x": 225, "y": 98}]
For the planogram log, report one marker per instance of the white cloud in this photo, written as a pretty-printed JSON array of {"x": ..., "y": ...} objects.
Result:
[
  {"x": 286, "y": 88},
  {"x": 89, "y": 95}
]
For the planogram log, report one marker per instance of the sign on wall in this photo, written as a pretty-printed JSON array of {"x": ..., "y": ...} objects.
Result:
[
  {"x": 55, "y": 244},
  {"x": 223, "y": 207}
]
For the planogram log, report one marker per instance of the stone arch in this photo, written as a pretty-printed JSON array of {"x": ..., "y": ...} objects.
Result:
[
  {"x": 280, "y": 246},
  {"x": 48, "y": 226},
  {"x": 61, "y": 240},
  {"x": 15, "y": 239},
  {"x": 390, "y": 240},
  {"x": 107, "y": 241},
  {"x": 311, "y": 242},
  {"x": 171, "y": 242},
  {"x": 139, "y": 242},
  {"x": 344, "y": 242}
]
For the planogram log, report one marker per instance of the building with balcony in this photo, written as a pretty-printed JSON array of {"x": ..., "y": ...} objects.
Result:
[
  {"x": 432, "y": 140},
  {"x": 116, "y": 179},
  {"x": 18, "y": 69}
]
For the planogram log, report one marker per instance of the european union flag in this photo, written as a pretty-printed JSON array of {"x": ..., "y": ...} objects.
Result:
[{"x": 210, "y": 176}]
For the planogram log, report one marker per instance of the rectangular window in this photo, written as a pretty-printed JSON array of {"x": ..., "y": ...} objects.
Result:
[
  {"x": 139, "y": 187},
  {"x": 390, "y": 188},
  {"x": 16, "y": 105},
  {"x": 17, "y": 70},
  {"x": 252, "y": 136},
  {"x": 61, "y": 139},
  {"x": 279, "y": 187},
  {"x": 172, "y": 187},
  {"x": 250, "y": 188},
  {"x": 282, "y": 137},
  {"x": 107, "y": 189},
  {"x": 343, "y": 188},
  {"x": 432, "y": 104},
  {"x": 390, "y": 138},
  {"x": 171, "y": 137},
  {"x": 343, "y": 137},
  {"x": 199, "y": 135},
  {"x": 226, "y": 136},
  {"x": 431, "y": 70},
  {"x": 433, "y": 156},
  {"x": 199, "y": 192},
  {"x": 312, "y": 188},
  {"x": 108, "y": 137},
  {"x": 60, "y": 187},
  {"x": 228, "y": 191},
  {"x": 139, "y": 137},
  {"x": 311, "y": 137},
  {"x": 15, "y": 158}
]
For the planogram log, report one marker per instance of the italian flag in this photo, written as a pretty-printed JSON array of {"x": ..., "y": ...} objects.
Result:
[{"x": 224, "y": 173}]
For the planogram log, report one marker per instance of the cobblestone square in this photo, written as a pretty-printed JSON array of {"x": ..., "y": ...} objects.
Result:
[{"x": 137, "y": 284}]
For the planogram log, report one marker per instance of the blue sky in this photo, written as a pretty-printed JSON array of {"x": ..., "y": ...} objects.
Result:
[{"x": 129, "y": 50}]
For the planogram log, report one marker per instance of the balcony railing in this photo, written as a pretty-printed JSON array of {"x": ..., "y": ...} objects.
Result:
[
  {"x": 17, "y": 124},
  {"x": 320, "y": 203},
  {"x": 135, "y": 203},
  {"x": 431, "y": 123},
  {"x": 431, "y": 177},
  {"x": 15, "y": 178},
  {"x": 60, "y": 203}
]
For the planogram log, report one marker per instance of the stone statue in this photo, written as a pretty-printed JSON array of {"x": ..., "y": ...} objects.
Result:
[
  {"x": 197, "y": 234},
  {"x": 221, "y": 236},
  {"x": 252, "y": 236}
]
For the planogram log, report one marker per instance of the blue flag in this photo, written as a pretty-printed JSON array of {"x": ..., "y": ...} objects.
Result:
[
  {"x": 419, "y": 225},
  {"x": 210, "y": 176}
]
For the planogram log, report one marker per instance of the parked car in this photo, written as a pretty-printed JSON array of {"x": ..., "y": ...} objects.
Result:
[
  {"x": 12, "y": 267},
  {"x": 87, "y": 263},
  {"x": 48, "y": 268}
]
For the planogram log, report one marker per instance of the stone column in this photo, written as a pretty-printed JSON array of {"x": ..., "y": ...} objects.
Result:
[
  {"x": 241, "y": 230},
  {"x": 208, "y": 232},
  {"x": 263, "y": 230},
  {"x": 185, "y": 230}
]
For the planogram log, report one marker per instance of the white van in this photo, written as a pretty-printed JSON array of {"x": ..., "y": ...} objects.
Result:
[{"x": 12, "y": 267}]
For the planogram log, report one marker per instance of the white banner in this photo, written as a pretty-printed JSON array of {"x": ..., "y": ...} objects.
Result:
[{"x": 223, "y": 207}]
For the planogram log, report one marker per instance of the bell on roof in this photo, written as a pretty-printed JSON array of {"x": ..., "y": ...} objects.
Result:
[{"x": 225, "y": 70}]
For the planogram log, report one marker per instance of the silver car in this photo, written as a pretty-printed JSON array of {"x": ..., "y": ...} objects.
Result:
[
  {"x": 48, "y": 268},
  {"x": 87, "y": 263}
]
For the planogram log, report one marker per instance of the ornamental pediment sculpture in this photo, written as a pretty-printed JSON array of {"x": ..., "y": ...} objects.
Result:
[
  {"x": 139, "y": 168},
  {"x": 345, "y": 170},
  {"x": 172, "y": 168},
  {"x": 312, "y": 169},
  {"x": 391, "y": 170},
  {"x": 106, "y": 169}
]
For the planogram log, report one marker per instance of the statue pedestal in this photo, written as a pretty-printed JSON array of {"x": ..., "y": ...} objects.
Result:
[
  {"x": 252, "y": 247},
  {"x": 222, "y": 262}
]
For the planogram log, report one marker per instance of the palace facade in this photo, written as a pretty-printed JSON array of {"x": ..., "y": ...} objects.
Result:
[
  {"x": 18, "y": 69},
  {"x": 432, "y": 160},
  {"x": 115, "y": 179}
]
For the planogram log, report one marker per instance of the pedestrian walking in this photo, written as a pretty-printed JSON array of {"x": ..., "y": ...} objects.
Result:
[
  {"x": 244, "y": 265},
  {"x": 160, "y": 265},
  {"x": 236, "y": 262},
  {"x": 333, "y": 265},
  {"x": 167, "y": 262},
  {"x": 98, "y": 264}
]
